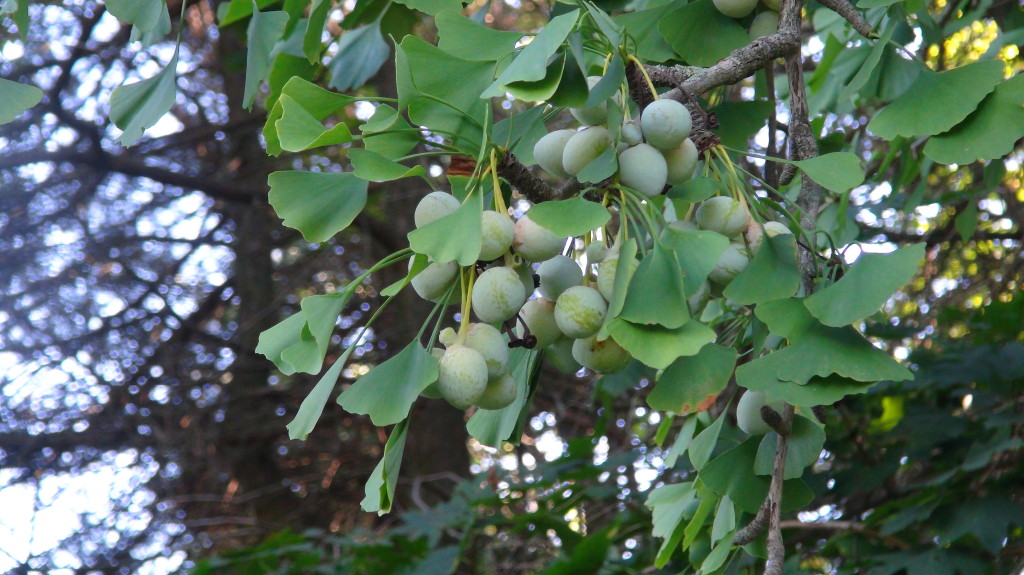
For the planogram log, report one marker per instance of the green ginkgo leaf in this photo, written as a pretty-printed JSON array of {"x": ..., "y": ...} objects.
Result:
[
  {"x": 265, "y": 29},
  {"x": 135, "y": 107},
  {"x": 692, "y": 383},
  {"x": 376, "y": 168},
  {"x": 772, "y": 273},
  {"x": 987, "y": 134},
  {"x": 380, "y": 487},
  {"x": 531, "y": 64},
  {"x": 457, "y": 236},
  {"x": 656, "y": 295},
  {"x": 319, "y": 205},
  {"x": 299, "y": 130},
  {"x": 659, "y": 346},
  {"x": 865, "y": 287},
  {"x": 388, "y": 391},
  {"x": 838, "y": 171},
  {"x": 15, "y": 98},
  {"x": 937, "y": 101},
  {"x": 572, "y": 217}
]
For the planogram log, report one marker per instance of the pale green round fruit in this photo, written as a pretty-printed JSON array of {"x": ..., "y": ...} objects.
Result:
[
  {"x": 596, "y": 252},
  {"x": 666, "y": 123},
  {"x": 607, "y": 271},
  {"x": 735, "y": 8},
  {"x": 539, "y": 316},
  {"x": 559, "y": 355},
  {"x": 557, "y": 275},
  {"x": 500, "y": 392},
  {"x": 593, "y": 115},
  {"x": 487, "y": 340},
  {"x": 734, "y": 260},
  {"x": 462, "y": 376},
  {"x": 498, "y": 233},
  {"x": 748, "y": 412},
  {"x": 682, "y": 162},
  {"x": 764, "y": 24},
  {"x": 755, "y": 233},
  {"x": 600, "y": 356},
  {"x": 549, "y": 149},
  {"x": 498, "y": 295},
  {"x": 433, "y": 207},
  {"x": 722, "y": 214},
  {"x": 773, "y": 4},
  {"x": 644, "y": 169},
  {"x": 534, "y": 242},
  {"x": 631, "y": 133},
  {"x": 584, "y": 147},
  {"x": 432, "y": 283},
  {"x": 579, "y": 311}
]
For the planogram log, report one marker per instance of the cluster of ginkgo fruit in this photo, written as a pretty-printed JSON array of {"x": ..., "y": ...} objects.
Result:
[{"x": 651, "y": 153}]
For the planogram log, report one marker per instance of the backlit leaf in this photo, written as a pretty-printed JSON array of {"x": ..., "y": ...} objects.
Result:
[
  {"x": 456, "y": 236},
  {"x": 376, "y": 168},
  {"x": 15, "y": 98},
  {"x": 988, "y": 133},
  {"x": 461, "y": 37},
  {"x": 656, "y": 294},
  {"x": 265, "y": 29},
  {"x": 772, "y": 273},
  {"x": 937, "y": 101},
  {"x": 572, "y": 217},
  {"x": 659, "y": 346},
  {"x": 530, "y": 65},
  {"x": 865, "y": 287},
  {"x": 686, "y": 30},
  {"x": 692, "y": 383},
  {"x": 838, "y": 171},
  {"x": 361, "y": 53},
  {"x": 388, "y": 391},
  {"x": 135, "y": 107},
  {"x": 380, "y": 487},
  {"x": 299, "y": 130},
  {"x": 316, "y": 204}
]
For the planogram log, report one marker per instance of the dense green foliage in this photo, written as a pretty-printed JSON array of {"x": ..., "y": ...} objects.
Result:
[{"x": 911, "y": 466}]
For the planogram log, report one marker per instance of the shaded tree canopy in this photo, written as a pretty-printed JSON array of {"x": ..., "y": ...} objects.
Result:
[{"x": 140, "y": 420}]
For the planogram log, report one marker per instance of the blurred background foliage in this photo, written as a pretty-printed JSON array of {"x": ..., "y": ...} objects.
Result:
[{"x": 140, "y": 432}]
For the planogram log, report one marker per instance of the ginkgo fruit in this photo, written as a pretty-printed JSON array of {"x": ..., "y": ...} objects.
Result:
[
  {"x": 557, "y": 275},
  {"x": 644, "y": 169},
  {"x": 498, "y": 294},
  {"x": 549, "y": 149},
  {"x": 499, "y": 393},
  {"x": 735, "y": 8},
  {"x": 498, "y": 231},
  {"x": 722, "y": 214},
  {"x": 601, "y": 356},
  {"x": 593, "y": 115},
  {"x": 579, "y": 311},
  {"x": 462, "y": 376},
  {"x": 584, "y": 147},
  {"x": 734, "y": 260},
  {"x": 535, "y": 242},
  {"x": 681, "y": 161},
  {"x": 433, "y": 282},
  {"x": 433, "y": 207},
  {"x": 666, "y": 123},
  {"x": 489, "y": 342},
  {"x": 539, "y": 317},
  {"x": 748, "y": 412}
]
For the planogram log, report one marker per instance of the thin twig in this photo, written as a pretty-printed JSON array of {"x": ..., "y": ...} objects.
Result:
[
  {"x": 776, "y": 547},
  {"x": 849, "y": 13}
]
